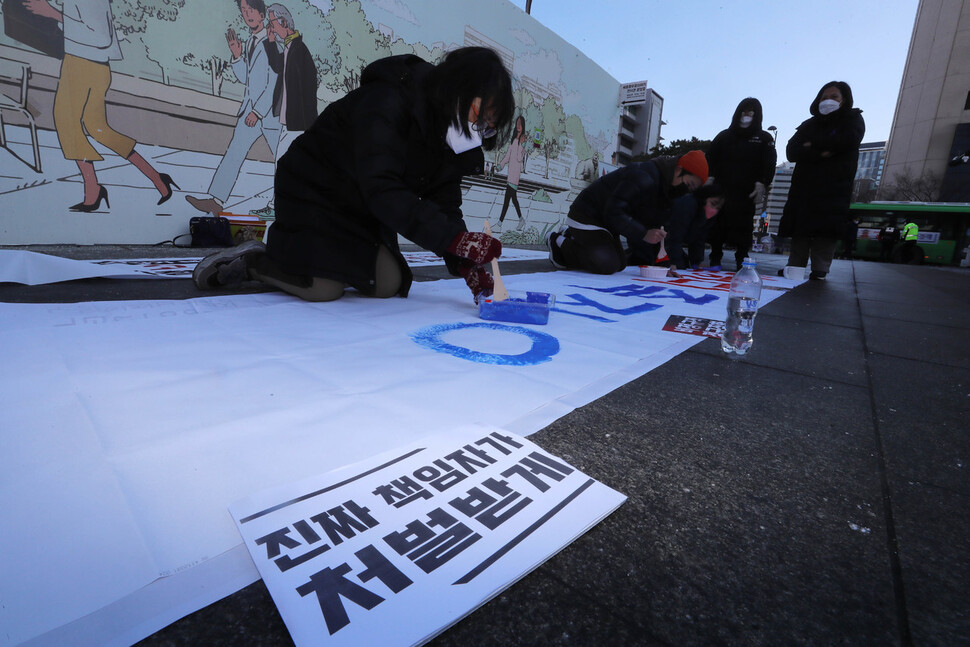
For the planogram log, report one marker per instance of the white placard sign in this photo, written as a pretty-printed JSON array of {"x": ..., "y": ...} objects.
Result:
[
  {"x": 394, "y": 550},
  {"x": 633, "y": 94}
]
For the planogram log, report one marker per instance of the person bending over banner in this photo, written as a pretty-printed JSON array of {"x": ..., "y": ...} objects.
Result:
[
  {"x": 691, "y": 216},
  {"x": 384, "y": 160},
  {"x": 631, "y": 202}
]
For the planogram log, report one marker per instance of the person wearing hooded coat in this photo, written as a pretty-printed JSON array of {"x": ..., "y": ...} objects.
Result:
[
  {"x": 742, "y": 159},
  {"x": 385, "y": 160},
  {"x": 825, "y": 150}
]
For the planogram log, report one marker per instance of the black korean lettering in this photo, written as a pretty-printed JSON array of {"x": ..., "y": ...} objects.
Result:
[
  {"x": 536, "y": 465},
  {"x": 381, "y": 567},
  {"x": 496, "y": 439},
  {"x": 447, "y": 545},
  {"x": 274, "y": 540},
  {"x": 468, "y": 463},
  {"x": 400, "y": 492},
  {"x": 330, "y": 585},
  {"x": 494, "y": 517},
  {"x": 344, "y": 521},
  {"x": 441, "y": 475},
  {"x": 487, "y": 509},
  {"x": 413, "y": 535},
  {"x": 427, "y": 549},
  {"x": 286, "y": 562}
]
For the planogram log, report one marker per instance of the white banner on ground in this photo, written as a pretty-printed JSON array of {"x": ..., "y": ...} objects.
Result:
[
  {"x": 129, "y": 427},
  {"x": 352, "y": 557},
  {"x": 32, "y": 268}
]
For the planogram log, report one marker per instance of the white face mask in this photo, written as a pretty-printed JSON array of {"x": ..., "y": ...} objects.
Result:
[
  {"x": 745, "y": 121},
  {"x": 828, "y": 106},
  {"x": 460, "y": 142}
]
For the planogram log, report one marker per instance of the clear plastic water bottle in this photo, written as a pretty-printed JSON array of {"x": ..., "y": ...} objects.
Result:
[{"x": 741, "y": 309}]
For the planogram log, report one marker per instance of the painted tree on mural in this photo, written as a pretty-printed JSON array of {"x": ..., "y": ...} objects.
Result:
[
  {"x": 553, "y": 130},
  {"x": 356, "y": 43},
  {"x": 193, "y": 39},
  {"x": 586, "y": 157}
]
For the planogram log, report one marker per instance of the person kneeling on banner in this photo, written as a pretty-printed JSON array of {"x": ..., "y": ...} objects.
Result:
[
  {"x": 631, "y": 202},
  {"x": 385, "y": 160},
  {"x": 690, "y": 219}
]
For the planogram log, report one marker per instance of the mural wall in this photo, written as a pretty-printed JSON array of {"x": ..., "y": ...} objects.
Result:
[{"x": 150, "y": 97}]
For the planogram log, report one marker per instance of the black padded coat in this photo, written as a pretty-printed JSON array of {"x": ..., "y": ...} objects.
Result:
[
  {"x": 738, "y": 158},
  {"x": 821, "y": 185},
  {"x": 628, "y": 201},
  {"x": 373, "y": 165}
]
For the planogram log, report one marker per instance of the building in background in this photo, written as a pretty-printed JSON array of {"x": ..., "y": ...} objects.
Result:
[
  {"x": 868, "y": 175},
  {"x": 931, "y": 127},
  {"x": 778, "y": 195},
  {"x": 640, "y": 122}
]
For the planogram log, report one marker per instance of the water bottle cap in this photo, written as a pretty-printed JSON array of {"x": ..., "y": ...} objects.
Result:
[{"x": 749, "y": 262}]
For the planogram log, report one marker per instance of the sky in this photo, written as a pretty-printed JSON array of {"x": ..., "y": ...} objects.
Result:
[{"x": 704, "y": 56}]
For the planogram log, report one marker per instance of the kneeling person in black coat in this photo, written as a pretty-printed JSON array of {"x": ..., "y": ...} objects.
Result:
[
  {"x": 691, "y": 216},
  {"x": 385, "y": 160},
  {"x": 631, "y": 202}
]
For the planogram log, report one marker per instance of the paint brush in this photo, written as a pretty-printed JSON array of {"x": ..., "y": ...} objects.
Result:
[{"x": 499, "y": 293}]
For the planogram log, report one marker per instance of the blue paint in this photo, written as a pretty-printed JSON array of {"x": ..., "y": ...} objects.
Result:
[
  {"x": 544, "y": 346},
  {"x": 652, "y": 292},
  {"x": 626, "y": 291}
]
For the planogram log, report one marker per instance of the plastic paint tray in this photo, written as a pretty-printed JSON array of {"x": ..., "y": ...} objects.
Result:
[{"x": 520, "y": 307}]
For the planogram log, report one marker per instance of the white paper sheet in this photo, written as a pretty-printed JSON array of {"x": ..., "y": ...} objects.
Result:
[
  {"x": 33, "y": 268},
  {"x": 455, "y": 519},
  {"x": 142, "y": 421}
]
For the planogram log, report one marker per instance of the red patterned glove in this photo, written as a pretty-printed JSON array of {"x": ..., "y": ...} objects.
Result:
[
  {"x": 477, "y": 247},
  {"x": 478, "y": 280}
]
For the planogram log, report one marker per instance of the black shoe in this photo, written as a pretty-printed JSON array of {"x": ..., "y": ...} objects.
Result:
[
  {"x": 169, "y": 183},
  {"x": 816, "y": 276},
  {"x": 555, "y": 254},
  {"x": 88, "y": 208},
  {"x": 781, "y": 272},
  {"x": 227, "y": 268}
]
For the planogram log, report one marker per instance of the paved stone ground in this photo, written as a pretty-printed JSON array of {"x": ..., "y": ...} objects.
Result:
[{"x": 814, "y": 492}]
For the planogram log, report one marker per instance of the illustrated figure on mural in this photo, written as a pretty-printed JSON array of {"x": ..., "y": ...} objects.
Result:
[
  {"x": 514, "y": 159},
  {"x": 90, "y": 43},
  {"x": 255, "y": 118},
  {"x": 295, "y": 94},
  {"x": 385, "y": 160}
]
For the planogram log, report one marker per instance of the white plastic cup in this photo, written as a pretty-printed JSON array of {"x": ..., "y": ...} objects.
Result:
[
  {"x": 794, "y": 273},
  {"x": 653, "y": 271}
]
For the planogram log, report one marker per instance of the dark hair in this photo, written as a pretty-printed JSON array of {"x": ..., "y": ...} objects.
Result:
[
  {"x": 464, "y": 74},
  {"x": 258, "y": 5},
  {"x": 846, "y": 98},
  {"x": 514, "y": 134},
  {"x": 712, "y": 190}
]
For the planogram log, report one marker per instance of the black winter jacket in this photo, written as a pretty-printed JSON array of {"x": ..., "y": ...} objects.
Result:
[
  {"x": 628, "y": 201},
  {"x": 738, "y": 158},
  {"x": 821, "y": 186},
  {"x": 687, "y": 227},
  {"x": 373, "y": 165}
]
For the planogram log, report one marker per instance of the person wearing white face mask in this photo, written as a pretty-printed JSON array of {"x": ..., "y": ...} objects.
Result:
[
  {"x": 742, "y": 159},
  {"x": 385, "y": 160},
  {"x": 825, "y": 150}
]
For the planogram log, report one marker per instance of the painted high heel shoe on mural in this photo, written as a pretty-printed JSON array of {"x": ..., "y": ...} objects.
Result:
[
  {"x": 169, "y": 183},
  {"x": 87, "y": 208}
]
